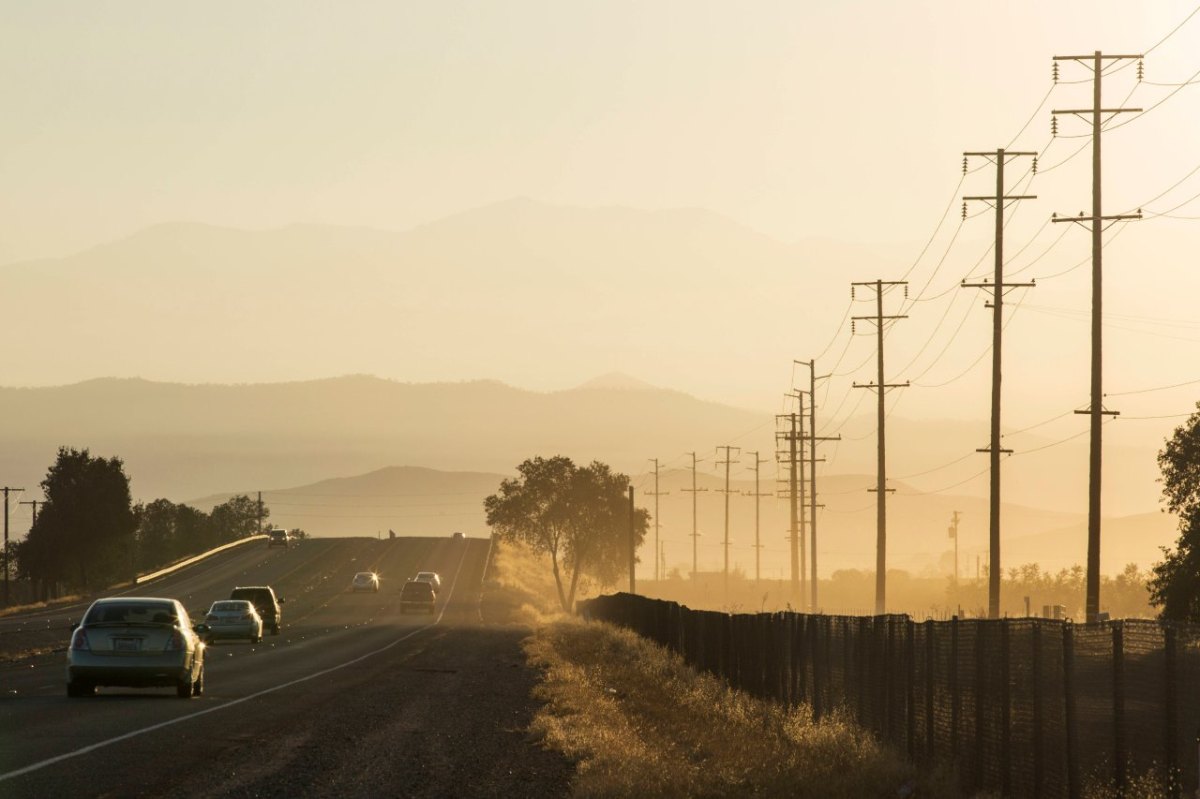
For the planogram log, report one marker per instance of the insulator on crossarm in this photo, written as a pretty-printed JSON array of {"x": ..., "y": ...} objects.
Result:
[
  {"x": 1141, "y": 70},
  {"x": 852, "y": 297},
  {"x": 1035, "y": 165},
  {"x": 1053, "y": 126},
  {"x": 853, "y": 327},
  {"x": 964, "y": 209},
  {"x": 964, "y": 165},
  {"x": 906, "y": 291},
  {"x": 1055, "y": 72}
]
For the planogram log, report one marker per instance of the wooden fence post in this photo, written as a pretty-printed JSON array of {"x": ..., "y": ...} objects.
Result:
[
  {"x": 814, "y": 657},
  {"x": 910, "y": 703},
  {"x": 1038, "y": 742},
  {"x": 981, "y": 628},
  {"x": 1005, "y": 711},
  {"x": 1073, "y": 786},
  {"x": 1171, "y": 714},
  {"x": 1118, "y": 700},
  {"x": 929, "y": 683},
  {"x": 955, "y": 692}
]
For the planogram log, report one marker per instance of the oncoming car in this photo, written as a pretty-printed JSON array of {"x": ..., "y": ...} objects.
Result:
[
  {"x": 365, "y": 581},
  {"x": 136, "y": 642},
  {"x": 418, "y": 595},
  {"x": 233, "y": 618},
  {"x": 430, "y": 577},
  {"x": 278, "y": 538}
]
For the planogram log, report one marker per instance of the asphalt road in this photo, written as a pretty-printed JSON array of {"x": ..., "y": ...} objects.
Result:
[{"x": 351, "y": 699}]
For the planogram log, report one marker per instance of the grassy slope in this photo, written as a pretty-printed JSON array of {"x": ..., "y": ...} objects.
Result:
[{"x": 639, "y": 722}]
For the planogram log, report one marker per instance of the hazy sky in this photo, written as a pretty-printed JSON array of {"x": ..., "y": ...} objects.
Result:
[
  {"x": 841, "y": 119},
  {"x": 798, "y": 118}
]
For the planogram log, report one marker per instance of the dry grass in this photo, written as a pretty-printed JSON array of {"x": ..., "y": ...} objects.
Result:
[
  {"x": 64, "y": 600},
  {"x": 521, "y": 589},
  {"x": 639, "y": 722}
]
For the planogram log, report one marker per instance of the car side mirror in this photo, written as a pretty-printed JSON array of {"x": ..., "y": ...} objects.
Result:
[
  {"x": 74, "y": 624},
  {"x": 282, "y": 600}
]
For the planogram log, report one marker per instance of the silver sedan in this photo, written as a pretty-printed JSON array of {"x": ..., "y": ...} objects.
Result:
[
  {"x": 135, "y": 642},
  {"x": 233, "y": 618}
]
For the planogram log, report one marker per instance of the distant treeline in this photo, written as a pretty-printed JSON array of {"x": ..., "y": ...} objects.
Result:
[
  {"x": 88, "y": 534},
  {"x": 852, "y": 592}
]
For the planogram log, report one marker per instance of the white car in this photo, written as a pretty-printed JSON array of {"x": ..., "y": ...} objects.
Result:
[
  {"x": 233, "y": 618},
  {"x": 430, "y": 577},
  {"x": 136, "y": 642},
  {"x": 365, "y": 581}
]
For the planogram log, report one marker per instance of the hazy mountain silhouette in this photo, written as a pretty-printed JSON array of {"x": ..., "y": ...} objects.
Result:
[
  {"x": 419, "y": 501},
  {"x": 518, "y": 288}
]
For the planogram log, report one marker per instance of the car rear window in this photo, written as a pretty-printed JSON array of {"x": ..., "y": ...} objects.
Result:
[
  {"x": 417, "y": 590},
  {"x": 232, "y": 605},
  {"x": 131, "y": 613},
  {"x": 260, "y": 597}
]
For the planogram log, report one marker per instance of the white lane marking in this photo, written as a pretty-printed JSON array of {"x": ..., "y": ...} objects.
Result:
[{"x": 126, "y": 736}]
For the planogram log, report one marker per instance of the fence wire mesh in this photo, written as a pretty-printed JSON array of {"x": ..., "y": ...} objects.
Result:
[{"x": 1020, "y": 707}]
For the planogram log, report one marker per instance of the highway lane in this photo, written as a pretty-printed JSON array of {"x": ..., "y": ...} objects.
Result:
[{"x": 325, "y": 628}]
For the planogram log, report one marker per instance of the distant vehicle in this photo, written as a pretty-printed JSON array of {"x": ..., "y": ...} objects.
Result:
[
  {"x": 265, "y": 602},
  {"x": 136, "y": 642},
  {"x": 233, "y": 618},
  {"x": 418, "y": 595},
  {"x": 278, "y": 538},
  {"x": 458, "y": 536},
  {"x": 430, "y": 577},
  {"x": 365, "y": 581}
]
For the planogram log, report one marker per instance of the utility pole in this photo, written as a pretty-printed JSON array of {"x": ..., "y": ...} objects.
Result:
[
  {"x": 6, "y": 490},
  {"x": 726, "y": 463},
  {"x": 794, "y": 460},
  {"x": 998, "y": 288},
  {"x": 632, "y": 548},
  {"x": 881, "y": 388},
  {"x": 757, "y": 507},
  {"x": 260, "y": 513},
  {"x": 695, "y": 534},
  {"x": 659, "y": 570},
  {"x": 1097, "y": 225},
  {"x": 953, "y": 530},
  {"x": 813, "y": 439},
  {"x": 34, "y": 502}
]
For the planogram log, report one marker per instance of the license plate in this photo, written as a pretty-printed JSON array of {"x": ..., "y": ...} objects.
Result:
[{"x": 127, "y": 644}]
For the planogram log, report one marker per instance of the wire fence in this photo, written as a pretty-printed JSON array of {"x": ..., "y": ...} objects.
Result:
[{"x": 1020, "y": 706}]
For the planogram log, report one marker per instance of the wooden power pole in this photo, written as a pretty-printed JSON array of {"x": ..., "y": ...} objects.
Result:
[
  {"x": 695, "y": 533},
  {"x": 813, "y": 439},
  {"x": 726, "y": 491},
  {"x": 1097, "y": 223},
  {"x": 881, "y": 388},
  {"x": 998, "y": 288},
  {"x": 659, "y": 566},
  {"x": 757, "y": 508},
  {"x": 6, "y": 490}
]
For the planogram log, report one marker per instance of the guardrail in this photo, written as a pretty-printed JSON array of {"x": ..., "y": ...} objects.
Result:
[{"x": 145, "y": 578}]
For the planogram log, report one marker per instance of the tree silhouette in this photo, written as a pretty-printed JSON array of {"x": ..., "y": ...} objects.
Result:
[
  {"x": 577, "y": 515},
  {"x": 1175, "y": 586},
  {"x": 85, "y": 530}
]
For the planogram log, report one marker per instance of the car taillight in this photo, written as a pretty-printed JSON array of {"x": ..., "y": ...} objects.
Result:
[
  {"x": 175, "y": 643},
  {"x": 79, "y": 641}
]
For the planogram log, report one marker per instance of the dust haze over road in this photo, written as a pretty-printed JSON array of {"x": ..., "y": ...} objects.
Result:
[{"x": 351, "y": 699}]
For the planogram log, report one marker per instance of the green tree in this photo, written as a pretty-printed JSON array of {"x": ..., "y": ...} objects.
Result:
[
  {"x": 579, "y": 516},
  {"x": 85, "y": 530},
  {"x": 1175, "y": 585},
  {"x": 236, "y": 518}
]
